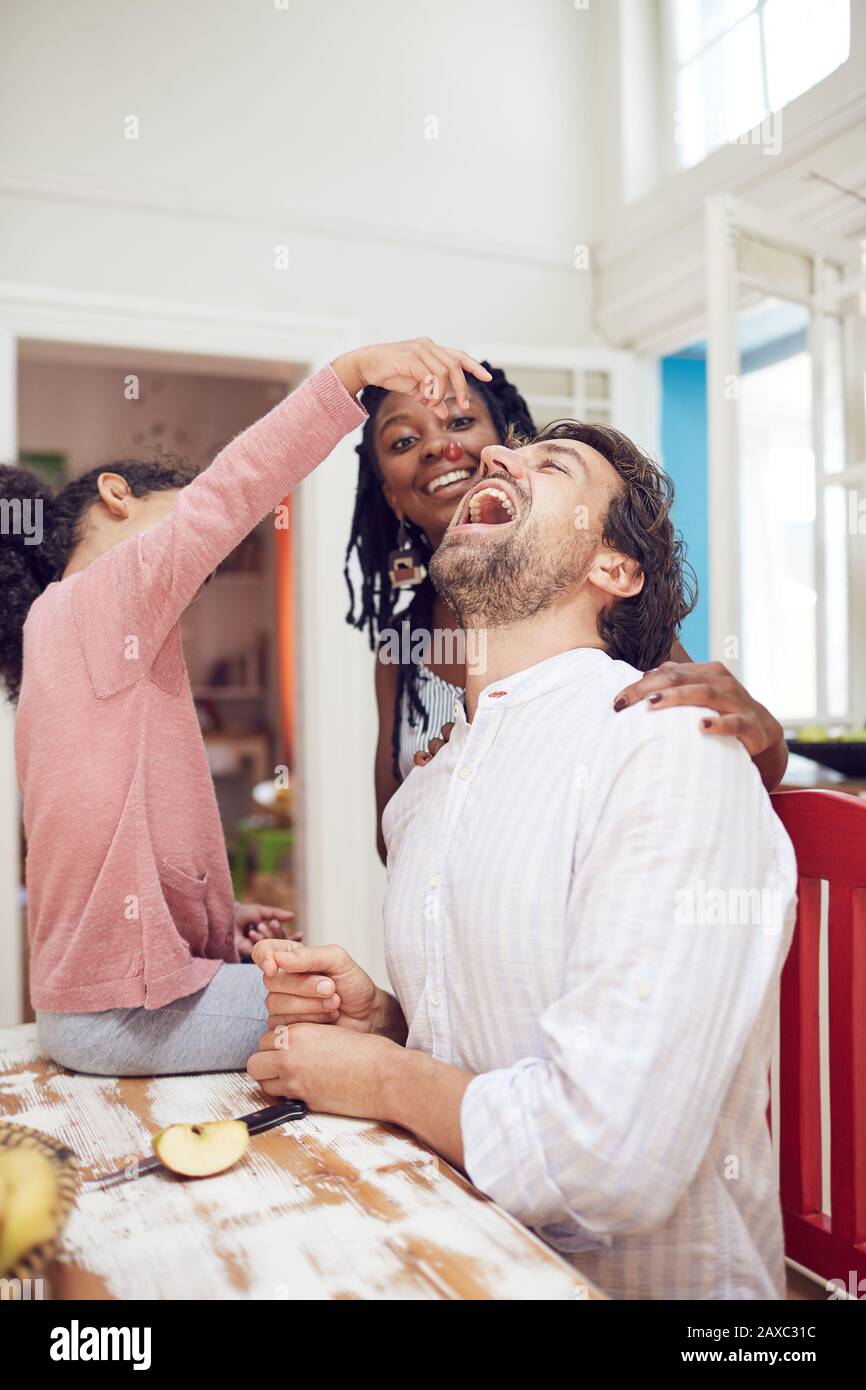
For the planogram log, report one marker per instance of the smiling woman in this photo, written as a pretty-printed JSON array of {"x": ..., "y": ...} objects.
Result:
[{"x": 413, "y": 470}]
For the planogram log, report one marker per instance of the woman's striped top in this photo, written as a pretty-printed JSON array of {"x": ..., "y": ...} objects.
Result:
[{"x": 438, "y": 697}]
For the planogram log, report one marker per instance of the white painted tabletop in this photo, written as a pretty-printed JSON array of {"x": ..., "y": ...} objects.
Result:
[{"x": 322, "y": 1208}]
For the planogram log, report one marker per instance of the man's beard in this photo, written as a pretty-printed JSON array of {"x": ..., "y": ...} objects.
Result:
[{"x": 490, "y": 584}]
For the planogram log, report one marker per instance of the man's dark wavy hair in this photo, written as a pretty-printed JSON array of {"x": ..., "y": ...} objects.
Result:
[{"x": 642, "y": 629}]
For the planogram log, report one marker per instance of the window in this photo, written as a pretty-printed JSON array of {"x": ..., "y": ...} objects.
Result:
[
  {"x": 735, "y": 61},
  {"x": 566, "y": 392},
  {"x": 777, "y": 521},
  {"x": 795, "y": 535}
]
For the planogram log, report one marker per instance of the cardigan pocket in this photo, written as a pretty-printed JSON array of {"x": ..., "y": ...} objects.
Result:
[{"x": 185, "y": 898}]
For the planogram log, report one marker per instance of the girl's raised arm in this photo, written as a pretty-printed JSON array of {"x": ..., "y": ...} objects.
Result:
[{"x": 130, "y": 599}]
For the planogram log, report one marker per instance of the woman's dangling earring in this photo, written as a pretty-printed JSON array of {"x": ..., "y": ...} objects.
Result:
[{"x": 405, "y": 566}]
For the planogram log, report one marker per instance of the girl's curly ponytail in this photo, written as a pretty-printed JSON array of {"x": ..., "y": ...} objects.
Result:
[{"x": 38, "y": 532}]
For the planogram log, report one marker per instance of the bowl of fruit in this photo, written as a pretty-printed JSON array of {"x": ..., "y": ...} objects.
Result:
[
  {"x": 38, "y": 1185},
  {"x": 843, "y": 752}
]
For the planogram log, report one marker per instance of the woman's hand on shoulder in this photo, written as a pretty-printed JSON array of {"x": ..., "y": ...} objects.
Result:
[
  {"x": 433, "y": 746},
  {"x": 711, "y": 685}
]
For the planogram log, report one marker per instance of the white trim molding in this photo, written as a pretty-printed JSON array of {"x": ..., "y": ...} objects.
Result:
[
  {"x": 657, "y": 303},
  {"x": 49, "y": 186},
  {"x": 49, "y": 314}
]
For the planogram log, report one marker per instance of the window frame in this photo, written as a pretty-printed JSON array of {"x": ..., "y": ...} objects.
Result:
[
  {"x": 836, "y": 281},
  {"x": 671, "y": 69}
]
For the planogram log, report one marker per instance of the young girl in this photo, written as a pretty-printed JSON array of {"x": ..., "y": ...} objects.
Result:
[{"x": 133, "y": 928}]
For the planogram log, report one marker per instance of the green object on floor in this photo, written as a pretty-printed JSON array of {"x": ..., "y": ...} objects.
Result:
[{"x": 271, "y": 844}]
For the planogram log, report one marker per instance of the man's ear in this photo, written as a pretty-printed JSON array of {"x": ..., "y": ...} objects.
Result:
[
  {"x": 616, "y": 574},
  {"x": 114, "y": 492}
]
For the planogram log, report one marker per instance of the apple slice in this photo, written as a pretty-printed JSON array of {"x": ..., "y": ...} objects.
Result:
[{"x": 199, "y": 1151}]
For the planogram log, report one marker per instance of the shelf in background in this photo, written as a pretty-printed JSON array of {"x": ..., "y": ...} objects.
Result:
[
  {"x": 241, "y": 578},
  {"x": 227, "y": 692}
]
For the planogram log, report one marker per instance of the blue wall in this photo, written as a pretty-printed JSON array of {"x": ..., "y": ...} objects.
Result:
[{"x": 684, "y": 455}]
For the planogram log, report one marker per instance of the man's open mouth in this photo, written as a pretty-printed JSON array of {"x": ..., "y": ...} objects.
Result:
[{"x": 493, "y": 503}]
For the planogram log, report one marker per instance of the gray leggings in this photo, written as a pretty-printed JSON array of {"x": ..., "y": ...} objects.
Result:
[{"x": 216, "y": 1029}]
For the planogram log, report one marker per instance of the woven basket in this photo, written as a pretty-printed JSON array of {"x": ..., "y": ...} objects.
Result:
[{"x": 66, "y": 1168}]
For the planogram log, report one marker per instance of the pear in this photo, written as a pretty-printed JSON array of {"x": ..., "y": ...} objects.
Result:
[
  {"x": 29, "y": 1203},
  {"x": 812, "y": 733},
  {"x": 199, "y": 1151}
]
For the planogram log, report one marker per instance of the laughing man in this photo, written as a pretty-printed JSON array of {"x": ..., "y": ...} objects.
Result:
[{"x": 570, "y": 1024}]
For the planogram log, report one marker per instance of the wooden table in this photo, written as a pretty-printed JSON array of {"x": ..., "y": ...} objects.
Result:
[{"x": 321, "y": 1208}]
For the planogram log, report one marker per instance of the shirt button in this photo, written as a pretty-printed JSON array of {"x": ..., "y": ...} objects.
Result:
[
  {"x": 456, "y": 709},
  {"x": 435, "y": 880},
  {"x": 464, "y": 774},
  {"x": 643, "y": 989},
  {"x": 436, "y": 998}
]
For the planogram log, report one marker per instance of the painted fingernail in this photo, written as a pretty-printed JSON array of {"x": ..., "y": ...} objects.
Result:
[
  {"x": 706, "y": 723},
  {"x": 620, "y": 704},
  {"x": 654, "y": 699}
]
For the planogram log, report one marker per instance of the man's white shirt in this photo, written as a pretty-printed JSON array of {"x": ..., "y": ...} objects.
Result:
[{"x": 590, "y": 910}]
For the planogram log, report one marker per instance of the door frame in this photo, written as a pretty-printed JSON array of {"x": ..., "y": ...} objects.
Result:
[
  {"x": 726, "y": 218},
  {"x": 341, "y": 892}
]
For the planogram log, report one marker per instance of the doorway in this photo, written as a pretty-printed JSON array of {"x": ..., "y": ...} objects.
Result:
[{"x": 333, "y": 810}]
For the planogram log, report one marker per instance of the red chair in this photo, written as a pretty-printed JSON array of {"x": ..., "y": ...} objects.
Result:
[{"x": 828, "y": 831}]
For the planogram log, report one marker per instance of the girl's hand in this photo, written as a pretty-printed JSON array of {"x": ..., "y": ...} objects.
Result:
[
  {"x": 418, "y": 368},
  {"x": 255, "y": 923},
  {"x": 711, "y": 685}
]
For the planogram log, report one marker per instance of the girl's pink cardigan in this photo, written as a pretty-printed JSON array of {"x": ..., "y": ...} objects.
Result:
[{"x": 129, "y": 893}]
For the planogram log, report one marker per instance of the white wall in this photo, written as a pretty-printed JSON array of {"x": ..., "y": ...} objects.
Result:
[{"x": 307, "y": 126}]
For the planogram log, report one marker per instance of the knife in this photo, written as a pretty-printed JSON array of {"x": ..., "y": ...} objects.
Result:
[{"x": 256, "y": 1122}]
